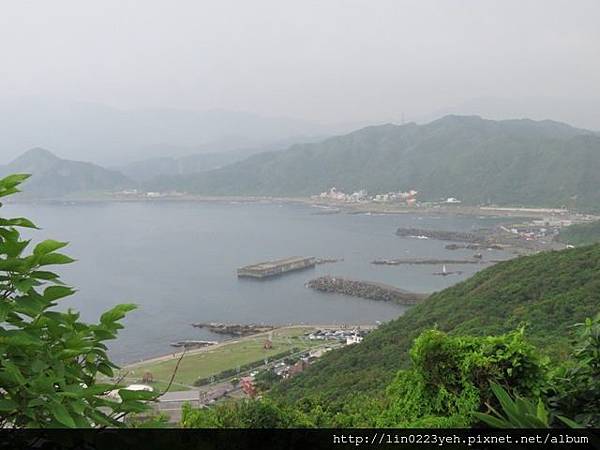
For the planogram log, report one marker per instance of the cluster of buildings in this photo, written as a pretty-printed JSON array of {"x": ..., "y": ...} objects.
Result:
[
  {"x": 538, "y": 228},
  {"x": 348, "y": 336},
  {"x": 137, "y": 194},
  {"x": 362, "y": 195}
]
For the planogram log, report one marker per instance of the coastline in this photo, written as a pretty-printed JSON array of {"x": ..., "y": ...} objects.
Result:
[
  {"x": 331, "y": 206},
  {"x": 178, "y": 354}
]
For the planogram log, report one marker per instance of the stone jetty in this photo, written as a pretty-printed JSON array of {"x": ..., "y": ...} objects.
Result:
[
  {"x": 479, "y": 237},
  {"x": 365, "y": 289}
]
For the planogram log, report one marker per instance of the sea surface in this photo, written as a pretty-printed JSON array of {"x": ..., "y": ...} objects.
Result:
[{"x": 177, "y": 261}]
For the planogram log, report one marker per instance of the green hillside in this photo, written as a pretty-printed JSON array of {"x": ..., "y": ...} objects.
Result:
[
  {"x": 581, "y": 234},
  {"x": 516, "y": 162},
  {"x": 56, "y": 177},
  {"x": 549, "y": 292}
]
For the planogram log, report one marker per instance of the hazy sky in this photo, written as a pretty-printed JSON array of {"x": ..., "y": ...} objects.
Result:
[{"x": 323, "y": 60}]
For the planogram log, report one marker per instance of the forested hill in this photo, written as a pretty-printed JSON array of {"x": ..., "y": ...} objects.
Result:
[
  {"x": 549, "y": 292},
  {"x": 56, "y": 177},
  {"x": 516, "y": 162}
]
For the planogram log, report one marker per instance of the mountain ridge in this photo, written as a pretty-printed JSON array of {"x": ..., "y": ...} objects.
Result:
[{"x": 480, "y": 161}]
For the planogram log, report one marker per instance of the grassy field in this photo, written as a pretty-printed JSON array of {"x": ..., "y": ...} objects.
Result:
[{"x": 210, "y": 361}]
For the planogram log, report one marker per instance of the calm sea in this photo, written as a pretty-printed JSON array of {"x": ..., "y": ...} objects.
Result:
[{"x": 178, "y": 262}]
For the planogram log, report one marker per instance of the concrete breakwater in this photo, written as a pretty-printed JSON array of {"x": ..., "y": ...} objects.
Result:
[
  {"x": 234, "y": 329},
  {"x": 365, "y": 289},
  {"x": 268, "y": 269},
  {"x": 479, "y": 237},
  {"x": 327, "y": 260},
  {"x": 399, "y": 261}
]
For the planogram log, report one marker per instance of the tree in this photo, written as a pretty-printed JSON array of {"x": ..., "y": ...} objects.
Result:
[{"x": 51, "y": 360}]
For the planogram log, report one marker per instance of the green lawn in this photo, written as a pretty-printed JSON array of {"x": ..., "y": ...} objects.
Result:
[{"x": 229, "y": 356}]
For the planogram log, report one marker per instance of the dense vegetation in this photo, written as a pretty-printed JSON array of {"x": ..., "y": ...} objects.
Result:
[
  {"x": 479, "y": 161},
  {"x": 547, "y": 292},
  {"x": 49, "y": 359},
  {"x": 454, "y": 381},
  {"x": 581, "y": 234}
]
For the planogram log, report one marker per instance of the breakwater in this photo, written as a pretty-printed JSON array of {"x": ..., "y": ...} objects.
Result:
[
  {"x": 478, "y": 237},
  {"x": 399, "y": 261},
  {"x": 365, "y": 289},
  {"x": 268, "y": 269}
]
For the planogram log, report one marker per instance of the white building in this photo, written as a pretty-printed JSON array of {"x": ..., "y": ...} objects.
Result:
[{"x": 354, "y": 339}]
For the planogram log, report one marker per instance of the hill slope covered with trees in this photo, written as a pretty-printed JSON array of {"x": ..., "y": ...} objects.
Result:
[{"x": 547, "y": 292}]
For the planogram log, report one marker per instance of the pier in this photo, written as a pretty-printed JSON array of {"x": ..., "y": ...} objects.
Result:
[{"x": 277, "y": 267}]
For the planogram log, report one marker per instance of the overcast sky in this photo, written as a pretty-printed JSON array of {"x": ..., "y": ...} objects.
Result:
[{"x": 324, "y": 60}]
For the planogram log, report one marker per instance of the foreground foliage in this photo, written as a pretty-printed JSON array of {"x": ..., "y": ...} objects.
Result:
[
  {"x": 50, "y": 359},
  {"x": 451, "y": 376}
]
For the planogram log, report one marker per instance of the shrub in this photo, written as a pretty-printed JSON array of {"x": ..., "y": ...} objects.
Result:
[{"x": 451, "y": 376}]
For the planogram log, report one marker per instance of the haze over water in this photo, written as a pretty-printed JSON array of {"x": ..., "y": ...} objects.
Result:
[{"x": 178, "y": 260}]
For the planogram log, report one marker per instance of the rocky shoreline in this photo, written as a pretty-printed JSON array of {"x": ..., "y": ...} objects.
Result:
[{"x": 365, "y": 289}]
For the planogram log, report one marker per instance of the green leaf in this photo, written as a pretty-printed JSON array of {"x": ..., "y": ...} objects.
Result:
[
  {"x": 492, "y": 421},
  {"x": 570, "y": 423},
  {"x": 61, "y": 414},
  {"x": 116, "y": 313},
  {"x": 17, "y": 222},
  {"x": 48, "y": 246},
  {"x": 55, "y": 292},
  {"x": 14, "y": 247},
  {"x": 8, "y": 405},
  {"x": 43, "y": 275},
  {"x": 55, "y": 258},
  {"x": 127, "y": 395},
  {"x": 32, "y": 305},
  {"x": 105, "y": 369},
  {"x": 13, "y": 180},
  {"x": 5, "y": 308},
  {"x": 542, "y": 413},
  {"x": 24, "y": 285}
]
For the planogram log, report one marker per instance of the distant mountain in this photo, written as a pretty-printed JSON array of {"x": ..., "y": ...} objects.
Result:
[
  {"x": 96, "y": 132},
  {"x": 148, "y": 169},
  {"x": 516, "y": 162},
  {"x": 56, "y": 177},
  {"x": 199, "y": 161}
]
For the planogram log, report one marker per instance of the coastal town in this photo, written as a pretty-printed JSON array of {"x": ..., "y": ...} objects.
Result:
[{"x": 206, "y": 375}]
